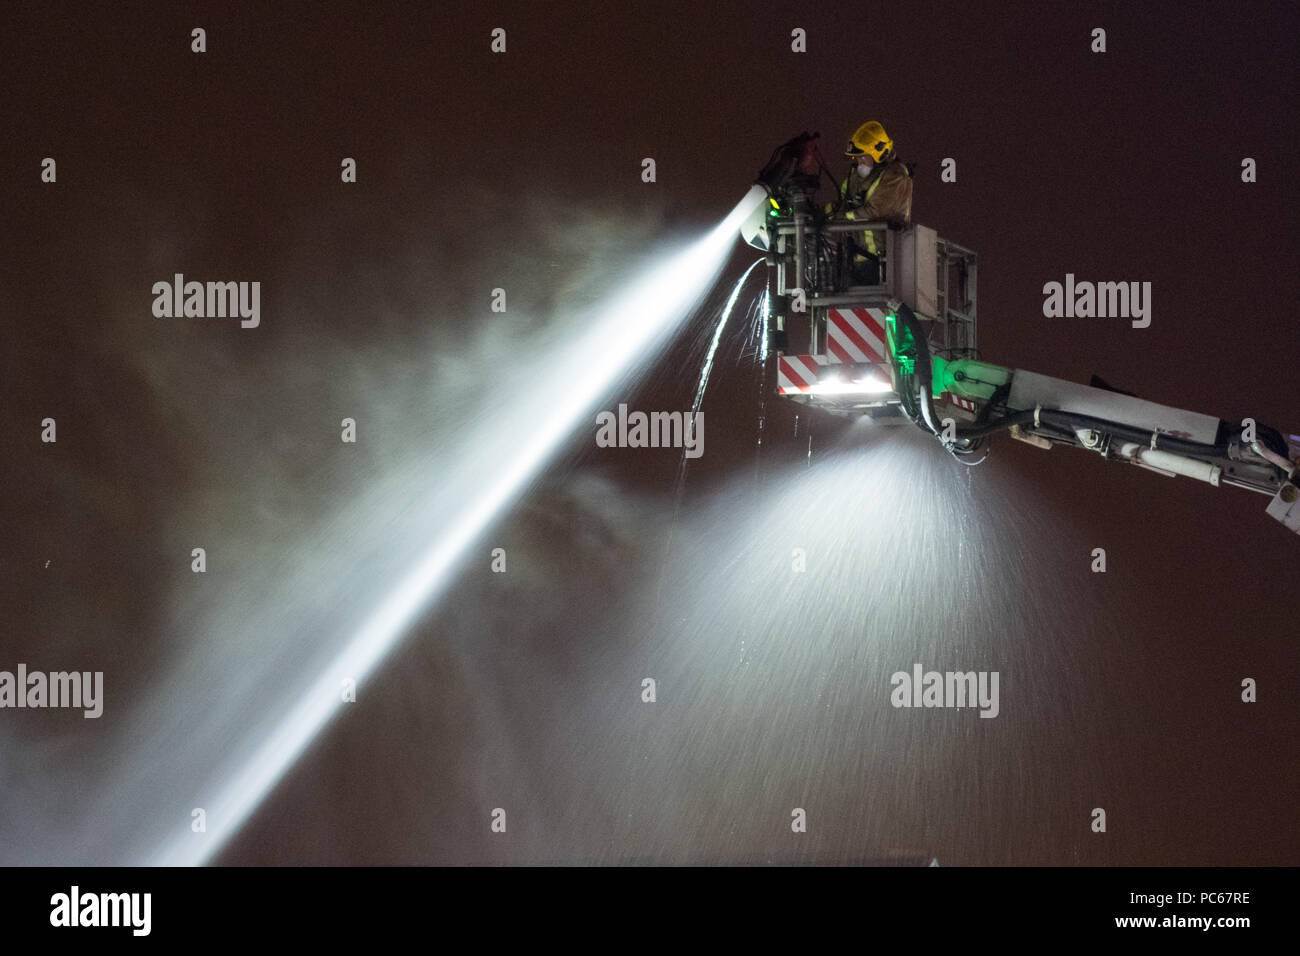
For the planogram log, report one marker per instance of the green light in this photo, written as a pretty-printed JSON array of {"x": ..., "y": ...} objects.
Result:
[{"x": 902, "y": 349}]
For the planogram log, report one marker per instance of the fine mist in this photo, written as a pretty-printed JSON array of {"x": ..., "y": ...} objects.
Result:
[
  {"x": 238, "y": 452},
  {"x": 772, "y": 686}
]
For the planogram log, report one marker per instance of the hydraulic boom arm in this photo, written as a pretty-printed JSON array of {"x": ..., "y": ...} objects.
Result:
[{"x": 1047, "y": 411}]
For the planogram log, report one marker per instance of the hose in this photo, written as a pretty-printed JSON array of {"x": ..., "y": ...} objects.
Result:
[
  {"x": 1272, "y": 456},
  {"x": 1069, "y": 421}
]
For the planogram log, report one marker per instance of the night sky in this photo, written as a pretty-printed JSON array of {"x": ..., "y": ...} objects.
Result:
[{"x": 522, "y": 170}]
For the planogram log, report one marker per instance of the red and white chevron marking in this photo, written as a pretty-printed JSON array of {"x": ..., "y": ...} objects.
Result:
[
  {"x": 798, "y": 373},
  {"x": 965, "y": 403},
  {"x": 856, "y": 335}
]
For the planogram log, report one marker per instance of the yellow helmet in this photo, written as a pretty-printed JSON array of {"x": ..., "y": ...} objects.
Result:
[{"x": 870, "y": 139}]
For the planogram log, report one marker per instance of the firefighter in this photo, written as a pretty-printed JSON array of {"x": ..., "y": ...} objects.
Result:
[{"x": 878, "y": 186}]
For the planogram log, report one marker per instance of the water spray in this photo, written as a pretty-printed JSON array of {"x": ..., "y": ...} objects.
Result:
[
  {"x": 623, "y": 334},
  {"x": 707, "y": 368}
]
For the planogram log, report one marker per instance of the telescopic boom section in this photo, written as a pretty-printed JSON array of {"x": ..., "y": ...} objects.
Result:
[{"x": 1045, "y": 411}]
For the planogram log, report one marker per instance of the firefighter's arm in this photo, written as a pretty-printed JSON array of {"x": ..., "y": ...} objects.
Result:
[
  {"x": 843, "y": 201},
  {"x": 889, "y": 199}
]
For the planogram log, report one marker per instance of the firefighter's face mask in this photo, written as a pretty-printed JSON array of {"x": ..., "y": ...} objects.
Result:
[{"x": 865, "y": 166}]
